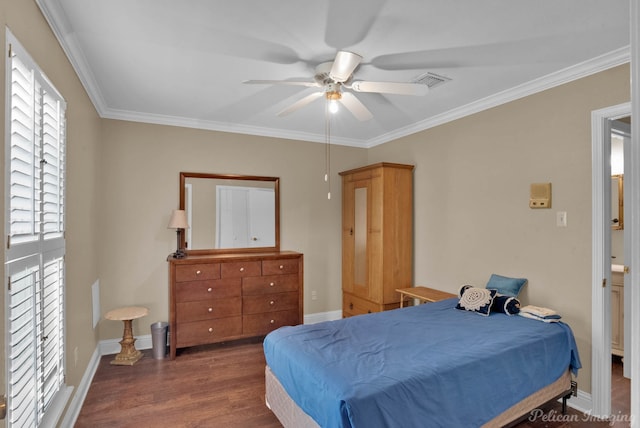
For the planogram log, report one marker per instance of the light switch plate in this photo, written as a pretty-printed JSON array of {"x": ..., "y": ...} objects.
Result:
[{"x": 561, "y": 219}]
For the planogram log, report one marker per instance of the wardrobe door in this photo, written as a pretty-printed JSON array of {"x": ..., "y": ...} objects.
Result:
[{"x": 356, "y": 225}]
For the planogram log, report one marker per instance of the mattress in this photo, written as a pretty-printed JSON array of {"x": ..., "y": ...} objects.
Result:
[
  {"x": 292, "y": 416},
  {"x": 407, "y": 366}
]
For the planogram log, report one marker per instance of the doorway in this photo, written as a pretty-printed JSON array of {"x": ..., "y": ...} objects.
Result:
[{"x": 602, "y": 256}]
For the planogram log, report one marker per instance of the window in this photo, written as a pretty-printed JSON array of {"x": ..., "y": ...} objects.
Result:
[{"x": 34, "y": 214}]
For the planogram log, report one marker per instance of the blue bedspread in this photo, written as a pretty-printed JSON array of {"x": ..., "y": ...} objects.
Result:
[{"x": 424, "y": 366}]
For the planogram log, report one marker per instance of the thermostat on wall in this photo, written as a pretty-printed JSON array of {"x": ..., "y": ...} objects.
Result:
[{"x": 540, "y": 196}]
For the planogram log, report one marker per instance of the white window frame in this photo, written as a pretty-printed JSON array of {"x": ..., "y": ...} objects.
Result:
[{"x": 46, "y": 391}]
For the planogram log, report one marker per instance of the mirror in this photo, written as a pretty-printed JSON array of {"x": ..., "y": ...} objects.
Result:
[
  {"x": 230, "y": 213},
  {"x": 617, "y": 202},
  {"x": 360, "y": 236}
]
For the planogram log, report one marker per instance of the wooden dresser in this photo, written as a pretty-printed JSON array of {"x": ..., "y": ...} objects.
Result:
[{"x": 215, "y": 298}]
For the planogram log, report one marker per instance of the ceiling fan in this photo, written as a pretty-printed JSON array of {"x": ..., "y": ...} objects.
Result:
[{"x": 334, "y": 77}]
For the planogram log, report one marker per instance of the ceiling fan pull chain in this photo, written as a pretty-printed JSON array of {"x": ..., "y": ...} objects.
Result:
[{"x": 327, "y": 160}]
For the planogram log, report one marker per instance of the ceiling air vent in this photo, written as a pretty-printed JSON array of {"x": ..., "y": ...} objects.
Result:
[{"x": 431, "y": 79}]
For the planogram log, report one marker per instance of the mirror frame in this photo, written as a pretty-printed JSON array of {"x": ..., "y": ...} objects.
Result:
[{"x": 276, "y": 182}]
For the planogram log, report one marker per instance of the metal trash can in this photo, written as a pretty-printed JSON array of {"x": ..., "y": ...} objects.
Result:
[{"x": 159, "y": 332}]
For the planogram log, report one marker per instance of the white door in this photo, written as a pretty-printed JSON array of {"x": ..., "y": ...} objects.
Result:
[
  {"x": 245, "y": 217},
  {"x": 623, "y": 130},
  {"x": 261, "y": 217},
  {"x": 232, "y": 229}
]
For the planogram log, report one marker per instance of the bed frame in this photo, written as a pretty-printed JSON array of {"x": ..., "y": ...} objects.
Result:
[{"x": 290, "y": 415}]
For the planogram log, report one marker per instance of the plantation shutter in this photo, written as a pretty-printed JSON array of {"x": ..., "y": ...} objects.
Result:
[{"x": 35, "y": 182}]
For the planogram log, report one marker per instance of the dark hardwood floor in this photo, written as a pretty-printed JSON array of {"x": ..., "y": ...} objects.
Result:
[{"x": 223, "y": 386}]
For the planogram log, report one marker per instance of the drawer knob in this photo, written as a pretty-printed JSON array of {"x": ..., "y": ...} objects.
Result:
[
  {"x": 281, "y": 267},
  {"x": 241, "y": 269},
  {"x": 209, "y": 289},
  {"x": 271, "y": 284},
  {"x": 210, "y": 309},
  {"x": 272, "y": 303},
  {"x": 210, "y": 329},
  {"x": 350, "y": 305},
  {"x": 273, "y": 321},
  {"x": 198, "y": 272}
]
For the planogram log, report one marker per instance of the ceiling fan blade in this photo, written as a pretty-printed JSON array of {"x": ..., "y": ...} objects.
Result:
[
  {"x": 399, "y": 88},
  {"x": 342, "y": 29},
  {"x": 281, "y": 82},
  {"x": 300, "y": 103},
  {"x": 343, "y": 65},
  {"x": 355, "y": 106}
]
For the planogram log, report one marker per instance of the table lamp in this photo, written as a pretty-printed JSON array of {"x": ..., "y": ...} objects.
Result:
[{"x": 178, "y": 222}]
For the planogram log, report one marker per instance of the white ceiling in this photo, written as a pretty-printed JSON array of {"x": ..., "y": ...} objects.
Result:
[{"x": 183, "y": 62}]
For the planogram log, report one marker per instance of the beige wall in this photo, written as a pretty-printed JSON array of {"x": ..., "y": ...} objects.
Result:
[
  {"x": 83, "y": 135},
  {"x": 471, "y": 191},
  {"x": 472, "y": 181},
  {"x": 140, "y": 184}
]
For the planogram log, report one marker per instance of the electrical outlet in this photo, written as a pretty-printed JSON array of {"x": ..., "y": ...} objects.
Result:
[
  {"x": 314, "y": 295},
  {"x": 75, "y": 357}
]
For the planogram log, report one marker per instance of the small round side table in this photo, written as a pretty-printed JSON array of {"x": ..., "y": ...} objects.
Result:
[{"x": 128, "y": 353}]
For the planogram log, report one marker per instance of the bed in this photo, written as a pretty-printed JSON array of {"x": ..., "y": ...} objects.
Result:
[{"x": 430, "y": 365}]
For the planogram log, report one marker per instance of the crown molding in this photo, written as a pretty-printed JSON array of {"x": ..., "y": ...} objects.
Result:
[
  {"x": 569, "y": 74},
  {"x": 185, "y": 122},
  {"x": 55, "y": 16},
  {"x": 59, "y": 24}
]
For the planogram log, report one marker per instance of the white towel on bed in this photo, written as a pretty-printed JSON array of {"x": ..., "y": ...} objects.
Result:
[{"x": 539, "y": 313}]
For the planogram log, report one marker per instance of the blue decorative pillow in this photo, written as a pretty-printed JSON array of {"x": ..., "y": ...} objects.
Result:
[
  {"x": 506, "y": 305},
  {"x": 505, "y": 285},
  {"x": 477, "y": 300}
]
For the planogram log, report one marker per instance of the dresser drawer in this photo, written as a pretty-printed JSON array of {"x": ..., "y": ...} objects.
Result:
[
  {"x": 269, "y": 284},
  {"x": 352, "y": 305},
  {"x": 208, "y": 309},
  {"x": 260, "y": 324},
  {"x": 210, "y": 331},
  {"x": 207, "y": 290},
  {"x": 241, "y": 269},
  {"x": 269, "y": 303},
  {"x": 279, "y": 267},
  {"x": 197, "y": 272}
]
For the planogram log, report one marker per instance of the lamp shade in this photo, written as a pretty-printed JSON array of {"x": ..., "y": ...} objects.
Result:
[{"x": 178, "y": 220}]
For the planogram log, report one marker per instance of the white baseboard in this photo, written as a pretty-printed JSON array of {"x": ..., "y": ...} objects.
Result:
[
  {"x": 582, "y": 402},
  {"x": 322, "y": 316},
  {"x": 75, "y": 406},
  {"x": 112, "y": 346}
]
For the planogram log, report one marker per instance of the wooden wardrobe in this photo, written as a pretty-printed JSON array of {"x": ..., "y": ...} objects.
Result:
[{"x": 377, "y": 236}]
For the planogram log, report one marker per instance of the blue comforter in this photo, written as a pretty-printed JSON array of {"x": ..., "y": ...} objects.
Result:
[{"x": 424, "y": 366}]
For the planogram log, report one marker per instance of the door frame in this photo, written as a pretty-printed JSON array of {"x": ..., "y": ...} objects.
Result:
[
  {"x": 634, "y": 16},
  {"x": 601, "y": 256}
]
